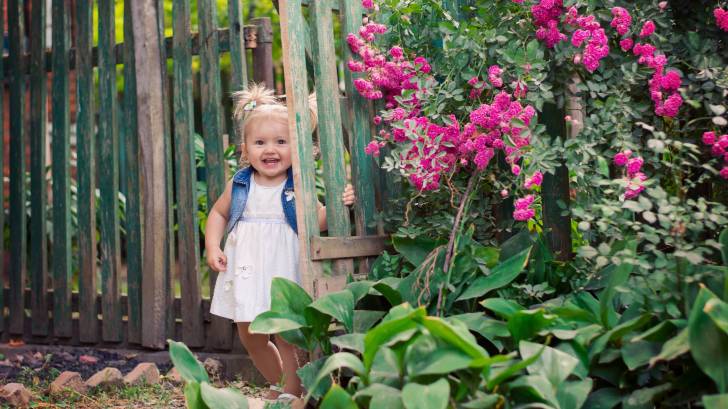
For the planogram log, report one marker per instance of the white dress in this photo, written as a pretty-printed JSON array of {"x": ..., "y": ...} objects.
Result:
[{"x": 260, "y": 246}]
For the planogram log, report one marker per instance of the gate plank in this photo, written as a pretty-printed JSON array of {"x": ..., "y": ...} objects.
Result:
[
  {"x": 18, "y": 257},
  {"x": 2, "y": 185},
  {"x": 330, "y": 127},
  {"x": 86, "y": 174},
  {"x": 188, "y": 235},
  {"x": 212, "y": 133},
  {"x": 327, "y": 248},
  {"x": 62, "y": 326},
  {"x": 263, "y": 53},
  {"x": 150, "y": 111},
  {"x": 108, "y": 176},
  {"x": 299, "y": 123},
  {"x": 38, "y": 264},
  {"x": 133, "y": 185}
]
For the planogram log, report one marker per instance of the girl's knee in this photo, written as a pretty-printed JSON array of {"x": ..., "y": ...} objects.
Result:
[{"x": 251, "y": 342}]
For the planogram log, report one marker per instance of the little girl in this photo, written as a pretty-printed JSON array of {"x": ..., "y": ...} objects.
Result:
[{"x": 257, "y": 211}]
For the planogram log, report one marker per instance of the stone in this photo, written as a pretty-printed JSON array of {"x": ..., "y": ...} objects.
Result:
[
  {"x": 214, "y": 367},
  {"x": 174, "y": 377},
  {"x": 88, "y": 359},
  {"x": 67, "y": 380},
  {"x": 145, "y": 372},
  {"x": 15, "y": 395},
  {"x": 106, "y": 378}
]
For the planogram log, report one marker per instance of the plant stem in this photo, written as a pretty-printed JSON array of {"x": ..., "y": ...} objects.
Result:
[{"x": 453, "y": 235}]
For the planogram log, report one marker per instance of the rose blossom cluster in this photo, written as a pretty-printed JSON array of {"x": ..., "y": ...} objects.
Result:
[
  {"x": 494, "y": 77},
  {"x": 635, "y": 178},
  {"x": 721, "y": 18},
  {"x": 546, "y": 16},
  {"x": 523, "y": 210},
  {"x": 663, "y": 86},
  {"x": 719, "y": 148},
  {"x": 589, "y": 31}
]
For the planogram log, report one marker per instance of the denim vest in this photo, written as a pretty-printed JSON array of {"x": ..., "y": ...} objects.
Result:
[{"x": 241, "y": 188}]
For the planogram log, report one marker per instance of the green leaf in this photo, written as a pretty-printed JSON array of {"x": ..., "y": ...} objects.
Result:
[
  {"x": 503, "y": 308},
  {"x": 717, "y": 310},
  {"x": 572, "y": 395},
  {"x": 365, "y": 319},
  {"x": 386, "y": 331},
  {"x": 189, "y": 368},
  {"x": 539, "y": 388},
  {"x": 605, "y": 398},
  {"x": 308, "y": 373},
  {"x": 644, "y": 398},
  {"x": 354, "y": 342},
  {"x": 555, "y": 365},
  {"x": 338, "y": 398},
  {"x": 515, "y": 244},
  {"x": 388, "y": 288},
  {"x": 723, "y": 238},
  {"x": 359, "y": 289},
  {"x": 619, "y": 277},
  {"x": 715, "y": 401},
  {"x": 525, "y": 324},
  {"x": 617, "y": 333},
  {"x": 274, "y": 322},
  {"x": 288, "y": 297},
  {"x": 415, "y": 250},
  {"x": 708, "y": 343},
  {"x": 334, "y": 362},
  {"x": 483, "y": 402},
  {"x": 636, "y": 354},
  {"x": 382, "y": 396},
  {"x": 193, "y": 397},
  {"x": 673, "y": 348},
  {"x": 500, "y": 276},
  {"x": 339, "y": 305},
  {"x": 511, "y": 370},
  {"x": 426, "y": 357},
  {"x": 457, "y": 336},
  {"x": 222, "y": 398},
  {"x": 432, "y": 396}
]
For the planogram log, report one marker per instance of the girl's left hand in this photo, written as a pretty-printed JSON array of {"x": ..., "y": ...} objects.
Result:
[{"x": 348, "y": 197}]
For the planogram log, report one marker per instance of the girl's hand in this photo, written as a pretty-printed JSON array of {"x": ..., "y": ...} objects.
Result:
[
  {"x": 348, "y": 197},
  {"x": 216, "y": 259}
]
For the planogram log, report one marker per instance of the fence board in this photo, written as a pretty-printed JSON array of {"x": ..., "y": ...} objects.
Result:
[
  {"x": 299, "y": 123},
  {"x": 38, "y": 264},
  {"x": 330, "y": 128},
  {"x": 263, "y": 53},
  {"x": 108, "y": 175},
  {"x": 325, "y": 248},
  {"x": 86, "y": 174},
  {"x": 62, "y": 274},
  {"x": 18, "y": 257},
  {"x": 2, "y": 184},
  {"x": 150, "y": 111},
  {"x": 212, "y": 132},
  {"x": 188, "y": 234},
  {"x": 361, "y": 166},
  {"x": 133, "y": 186}
]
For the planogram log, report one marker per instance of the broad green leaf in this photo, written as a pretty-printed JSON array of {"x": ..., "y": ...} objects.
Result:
[
  {"x": 572, "y": 395},
  {"x": 500, "y": 276},
  {"x": 382, "y": 396},
  {"x": 717, "y": 310},
  {"x": 386, "y": 331},
  {"x": 503, "y": 308},
  {"x": 457, "y": 336},
  {"x": 661, "y": 332},
  {"x": 644, "y": 398},
  {"x": 334, "y": 362},
  {"x": 555, "y": 365},
  {"x": 193, "y": 397},
  {"x": 525, "y": 324},
  {"x": 189, "y": 368},
  {"x": 483, "y": 402},
  {"x": 354, "y": 342},
  {"x": 414, "y": 250},
  {"x": 605, "y": 398},
  {"x": 388, "y": 288},
  {"x": 715, "y": 401},
  {"x": 308, "y": 373},
  {"x": 386, "y": 367},
  {"x": 539, "y": 389},
  {"x": 485, "y": 326},
  {"x": 338, "y": 398},
  {"x": 339, "y": 305},
  {"x": 222, "y": 398},
  {"x": 673, "y": 348},
  {"x": 432, "y": 396},
  {"x": 365, "y": 319},
  {"x": 515, "y": 244},
  {"x": 288, "y": 297},
  {"x": 274, "y": 322},
  {"x": 426, "y": 357},
  {"x": 359, "y": 289},
  {"x": 617, "y": 333},
  {"x": 619, "y": 277},
  {"x": 636, "y": 354},
  {"x": 723, "y": 238},
  {"x": 708, "y": 343},
  {"x": 511, "y": 370}
]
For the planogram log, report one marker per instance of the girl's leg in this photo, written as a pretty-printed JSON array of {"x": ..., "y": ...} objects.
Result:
[
  {"x": 291, "y": 361},
  {"x": 264, "y": 354}
]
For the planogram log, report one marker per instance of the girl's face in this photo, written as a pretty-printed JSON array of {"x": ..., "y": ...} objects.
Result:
[{"x": 268, "y": 149}]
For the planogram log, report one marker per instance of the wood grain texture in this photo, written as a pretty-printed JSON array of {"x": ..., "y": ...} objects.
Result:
[
  {"x": 263, "y": 52},
  {"x": 329, "y": 248},
  {"x": 2, "y": 191},
  {"x": 150, "y": 111}
]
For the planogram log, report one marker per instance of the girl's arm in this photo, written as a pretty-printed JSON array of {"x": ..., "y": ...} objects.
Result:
[
  {"x": 348, "y": 197},
  {"x": 215, "y": 229}
]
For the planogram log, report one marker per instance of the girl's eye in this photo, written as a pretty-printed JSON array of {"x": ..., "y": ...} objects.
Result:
[
  {"x": 258, "y": 142},
  {"x": 282, "y": 141}
]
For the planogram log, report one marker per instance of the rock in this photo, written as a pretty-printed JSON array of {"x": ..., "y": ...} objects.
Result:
[
  {"x": 67, "y": 380},
  {"x": 66, "y": 356},
  {"x": 106, "y": 378},
  {"x": 145, "y": 372},
  {"x": 174, "y": 377},
  {"x": 15, "y": 395},
  {"x": 88, "y": 359},
  {"x": 214, "y": 367}
]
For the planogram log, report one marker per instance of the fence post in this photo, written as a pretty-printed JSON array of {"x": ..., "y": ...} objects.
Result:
[
  {"x": 263, "y": 53},
  {"x": 2, "y": 191},
  {"x": 150, "y": 111}
]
